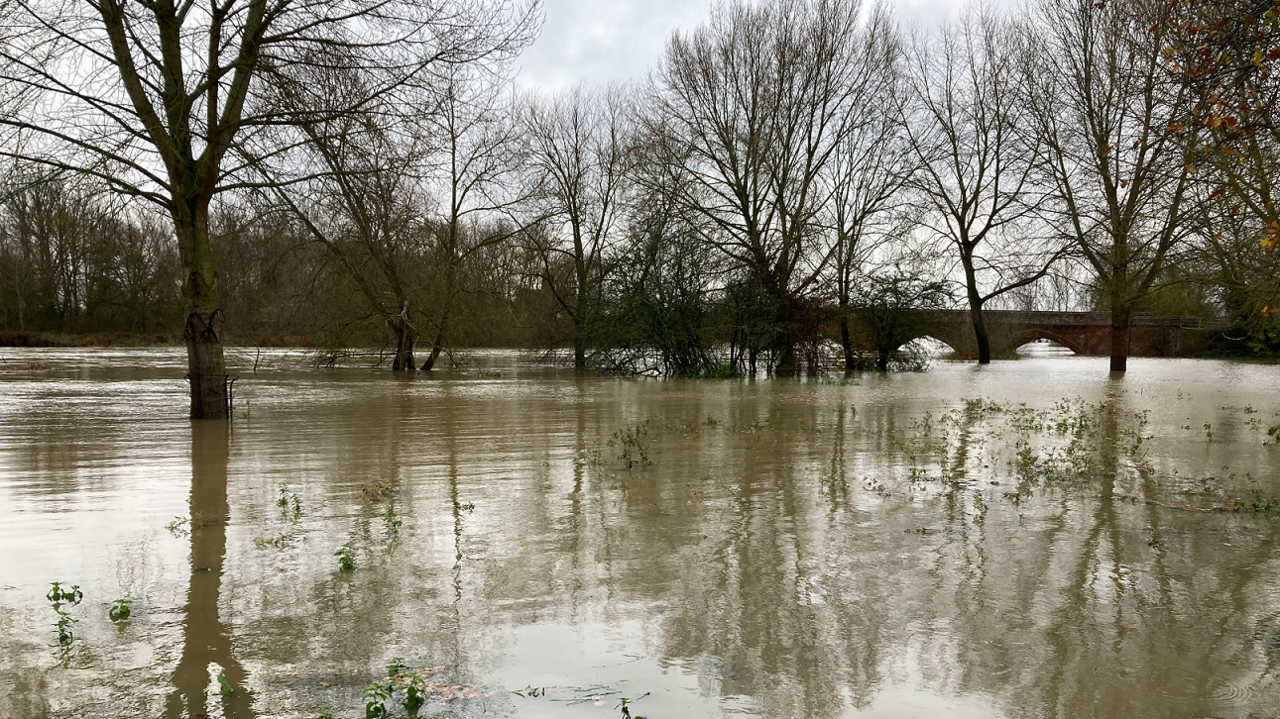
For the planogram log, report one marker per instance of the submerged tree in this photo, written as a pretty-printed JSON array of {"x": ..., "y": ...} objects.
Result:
[
  {"x": 363, "y": 203},
  {"x": 579, "y": 157},
  {"x": 1115, "y": 145},
  {"x": 477, "y": 146},
  {"x": 869, "y": 170},
  {"x": 892, "y": 305},
  {"x": 757, "y": 103},
  {"x": 970, "y": 128},
  {"x": 164, "y": 101}
]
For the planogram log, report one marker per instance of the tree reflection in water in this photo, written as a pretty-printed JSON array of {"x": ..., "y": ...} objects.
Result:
[{"x": 207, "y": 648}]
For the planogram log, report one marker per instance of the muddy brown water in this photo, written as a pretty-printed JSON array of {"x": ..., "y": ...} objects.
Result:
[{"x": 1029, "y": 539}]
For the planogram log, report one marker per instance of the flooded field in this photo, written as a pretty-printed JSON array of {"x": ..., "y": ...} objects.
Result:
[{"x": 1030, "y": 539}]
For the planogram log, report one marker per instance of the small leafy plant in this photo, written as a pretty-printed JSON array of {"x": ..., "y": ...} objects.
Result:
[
  {"x": 398, "y": 674},
  {"x": 63, "y": 625},
  {"x": 61, "y": 595},
  {"x": 119, "y": 611},
  {"x": 391, "y": 522},
  {"x": 375, "y": 700},
  {"x": 287, "y": 499},
  {"x": 224, "y": 686},
  {"x": 346, "y": 559},
  {"x": 624, "y": 704},
  {"x": 396, "y": 667},
  {"x": 632, "y": 442},
  {"x": 58, "y": 596},
  {"x": 413, "y": 699}
]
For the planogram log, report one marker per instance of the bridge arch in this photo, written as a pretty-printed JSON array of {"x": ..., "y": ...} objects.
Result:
[
  {"x": 931, "y": 338},
  {"x": 1031, "y": 334}
]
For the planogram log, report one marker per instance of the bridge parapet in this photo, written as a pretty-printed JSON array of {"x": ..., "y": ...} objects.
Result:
[{"x": 1086, "y": 333}]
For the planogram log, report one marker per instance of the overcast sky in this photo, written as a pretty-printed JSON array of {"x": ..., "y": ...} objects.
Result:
[{"x": 598, "y": 41}]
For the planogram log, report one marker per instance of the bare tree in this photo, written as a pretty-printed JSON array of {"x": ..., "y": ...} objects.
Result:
[
  {"x": 154, "y": 97},
  {"x": 760, "y": 99},
  {"x": 972, "y": 133},
  {"x": 479, "y": 150},
  {"x": 869, "y": 171},
  {"x": 579, "y": 155},
  {"x": 364, "y": 203},
  {"x": 74, "y": 257},
  {"x": 401, "y": 196},
  {"x": 1113, "y": 144}
]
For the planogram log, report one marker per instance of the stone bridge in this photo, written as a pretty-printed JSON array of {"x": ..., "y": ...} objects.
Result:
[{"x": 1085, "y": 333}]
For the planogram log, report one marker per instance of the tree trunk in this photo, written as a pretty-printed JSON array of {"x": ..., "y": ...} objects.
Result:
[
  {"x": 975, "y": 311},
  {"x": 404, "y": 346},
  {"x": 980, "y": 334},
  {"x": 882, "y": 359},
  {"x": 846, "y": 343},
  {"x": 430, "y": 362},
  {"x": 785, "y": 340},
  {"x": 579, "y": 348},
  {"x": 787, "y": 366},
  {"x": 1121, "y": 313},
  {"x": 206, "y": 368}
]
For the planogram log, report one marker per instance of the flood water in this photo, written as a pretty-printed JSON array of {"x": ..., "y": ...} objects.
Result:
[{"x": 1029, "y": 539}]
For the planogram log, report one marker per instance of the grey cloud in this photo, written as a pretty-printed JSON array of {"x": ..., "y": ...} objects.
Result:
[{"x": 599, "y": 41}]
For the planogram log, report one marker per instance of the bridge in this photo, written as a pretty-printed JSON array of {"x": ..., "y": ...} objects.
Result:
[{"x": 1085, "y": 333}]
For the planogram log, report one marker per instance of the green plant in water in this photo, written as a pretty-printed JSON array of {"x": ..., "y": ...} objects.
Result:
[
  {"x": 280, "y": 541},
  {"x": 179, "y": 527},
  {"x": 379, "y": 489},
  {"x": 391, "y": 522},
  {"x": 413, "y": 698},
  {"x": 119, "y": 610},
  {"x": 631, "y": 440},
  {"x": 60, "y": 595},
  {"x": 375, "y": 700},
  {"x": 624, "y": 704},
  {"x": 1263, "y": 505},
  {"x": 224, "y": 686},
  {"x": 346, "y": 559},
  {"x": 1208, "y": 431},
  {"x": 287, "y": 499},
  {"x": 531, "y": 691},
  {"x": 398, "y": 674},
  {"x": 63, "y": 625},
  {"x": 396, "y": 667}
]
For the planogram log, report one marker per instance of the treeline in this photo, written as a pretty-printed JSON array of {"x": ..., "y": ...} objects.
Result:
[{"x": 795, "y": 176}]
